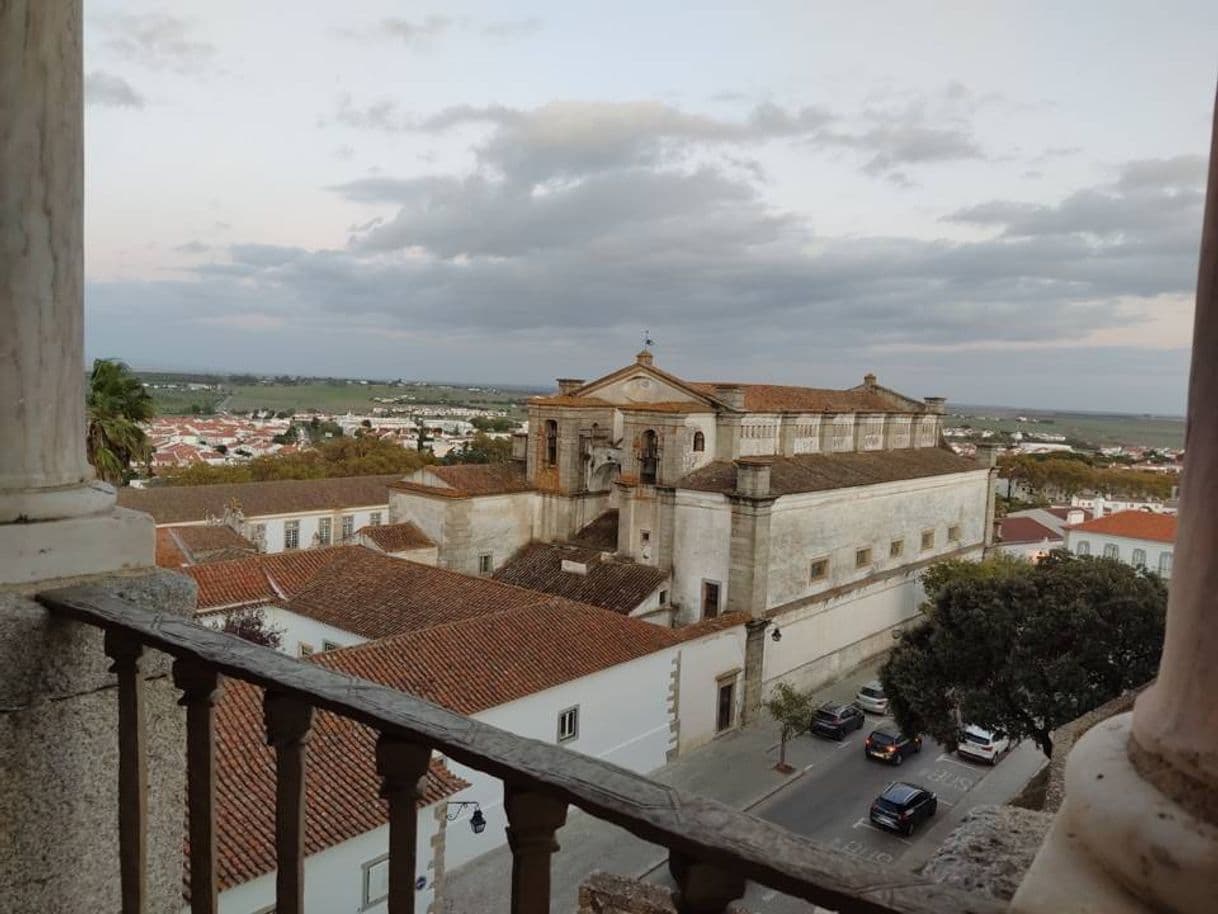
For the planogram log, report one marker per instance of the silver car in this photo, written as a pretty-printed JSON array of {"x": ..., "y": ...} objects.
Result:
[{"x": 871, "y": 698}]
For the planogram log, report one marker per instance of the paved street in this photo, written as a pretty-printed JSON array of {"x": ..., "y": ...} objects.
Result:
[{"x": 826, "y": 799}]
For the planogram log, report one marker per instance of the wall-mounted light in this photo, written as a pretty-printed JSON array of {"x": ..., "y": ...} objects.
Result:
[
  {"x": 776, "y": 635},
  {"x": 477, "y": 822}
]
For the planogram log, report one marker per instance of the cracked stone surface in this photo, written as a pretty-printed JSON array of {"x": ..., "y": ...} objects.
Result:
[{"x": 990, "y": 851}]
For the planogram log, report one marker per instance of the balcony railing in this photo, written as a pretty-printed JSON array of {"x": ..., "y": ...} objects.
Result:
[{"x": 713, "y": 849}]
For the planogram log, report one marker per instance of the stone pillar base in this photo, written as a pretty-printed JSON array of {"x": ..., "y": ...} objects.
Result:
[
  {"x": 1118, "y": 845},
  {"x": 113, "y": 540}
]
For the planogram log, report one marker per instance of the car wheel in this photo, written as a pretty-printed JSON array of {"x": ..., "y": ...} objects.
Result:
[
  {"x": 899, "y": 758},
  {"x": 839, "y": 734},
  {"x": 934, "y": 808},
  {"x": 917, "y": 747},
  {"x": 907, "y": 830}
]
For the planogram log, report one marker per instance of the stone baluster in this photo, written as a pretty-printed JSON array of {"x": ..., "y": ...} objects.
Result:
[
  {"x": 703, "y": 888},
  {"x": 287, "y": 729},
  {"x": 533, "y": 818},
  {"x": 200, "y": 686},
  {"x": 402, "y": 767},
  {"x": 125, "y": 653}
]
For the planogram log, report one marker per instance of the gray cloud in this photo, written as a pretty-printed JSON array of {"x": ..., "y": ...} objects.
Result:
[
  {"x": 415, "y": 33},
  {"x": 193, "y": 247},
  {"x": 158, "y": 41},
  {"x": 512, "y": 28},
  {"x": 111, "y": 91}
]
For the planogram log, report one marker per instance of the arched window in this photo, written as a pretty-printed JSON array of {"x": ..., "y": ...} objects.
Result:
[
  {"x": 699, "y": 442},
  {"x": 649, "y": 458},
  {"x": 551, "y": 442}
]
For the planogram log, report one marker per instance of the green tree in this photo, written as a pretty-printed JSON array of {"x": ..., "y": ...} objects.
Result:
[
  {"x": 116, "y": 404},
  {"x": 792, "y": 709},
  {"x": 481, "y": 449},
  {"x": 252, "y": 625},
  {"x": 1022, "y": 648}
]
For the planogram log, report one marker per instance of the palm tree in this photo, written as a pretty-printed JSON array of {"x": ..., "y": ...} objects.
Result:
[{"x": 117, "y": 404}]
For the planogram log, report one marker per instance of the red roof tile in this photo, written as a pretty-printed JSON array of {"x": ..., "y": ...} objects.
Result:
[
  {"x": 1025, "y": 530},
  {"x": 772, "y": 398},
  {"x": 483, "y": 662},
  {"x": 341, "y": 785},
  {"x": 259, "y": 580},
  {"x": 1137, "y": 525},
  {"x": 619, "y": 586},
  {"x": 463, "y": 480},
  {"x": 397, "y": 537},
  {"x": 168, "y": 553}
]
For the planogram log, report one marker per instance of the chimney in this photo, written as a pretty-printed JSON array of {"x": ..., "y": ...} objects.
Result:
[
  {"x": 731, "y": 394},
  {"x": 645, "y": 357},
  {"x": 753, "y": 477},
  {"x": 869, "y": 381},
  {"x": 1075, "y": 516},
  {"x": 569, "y": 385},
  {"x": 574, "y": 567},
  {"x": 520, "y": 446},
  {"x": 1100, "y": 505},
  {"x": 936, "y": 405}
]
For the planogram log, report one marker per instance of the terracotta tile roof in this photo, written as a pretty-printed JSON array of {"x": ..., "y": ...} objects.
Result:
[
  {"x": 490, "y": 660},
  {"x": 374, "y": 595},
  {"x": 209, "y": 542},
  {"x": 619, "y": 586},
  {"x": 566, "y": 400},
  {"x": 1137, "y": 525},
  {"x": 820, "y": 472},
  {"x": 168, "y": 553},
  {"x": 667, "y": 406},
  {"x": 342, "y": 789},
  {"x": 183, "y": 504},
  {"x": 261, "y": 579},
  {"x": 773, "y": 398},
  {"x": 1025, "y": 530},
  {"x": 397, "y": 537},
  {"x": 600, "y": 534},
  {"x": 464, "y": 480},
  {"x": 710, "y": 626},
  {"x": 1062, "y": 512}
]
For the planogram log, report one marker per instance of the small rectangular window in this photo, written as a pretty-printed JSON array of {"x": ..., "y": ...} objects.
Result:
[
  {"x": 1083, "y": 548},
  {"x": 1165, "y": 564},
  {"x": 291, "y": 534},
  {"x": 663, "y": 597},
  {"x": 1111, "y": 551},
  {"x": 324, "y": 529},
  {"x": 862, "y": 557},
  {"x": 819, "y": 569},
  {"x": 1139, "y": 558},
  {"x": 953, "y": 533},
  {"x": 374, "y": 519},
  {"x": 710, "y": 599},
  {"x": 896, "y": 548},
  {"x": 376, "y": 881},
  {"x": 305, "y": 649},
  {"x": 348, "y": 526},
  {"x": 486, "y": 563},
  {"x": 568, "y": 724},
  {"x": 928, "y": 539},
  {"x": 330, "y": 646}
]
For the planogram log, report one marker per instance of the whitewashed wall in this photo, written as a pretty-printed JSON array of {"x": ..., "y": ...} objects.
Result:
[
  {"x": 1125, "y": 546},
  {"x": 839, "y": 522},
  {"x": 500, "y": 525},
  {"x": 426, "y": 513},
  {"x": 702, "y": 528},
  {"x": 296, "y": 629},
  {"x": 334, "y": 877},
  {"x": 623, "y": 718},
  {"x": 274, "y": 541},
  {"x": 691, "y": 459},
  {"x": 703, "y": 663}
]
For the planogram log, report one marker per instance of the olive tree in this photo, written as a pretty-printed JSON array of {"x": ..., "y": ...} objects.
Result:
[{"x": 792, "y": 709}]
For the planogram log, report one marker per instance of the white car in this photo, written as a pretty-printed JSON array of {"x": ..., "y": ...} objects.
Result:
[
  {"x": 983, "y": 745},
  {"x": 871, "y": 698}
]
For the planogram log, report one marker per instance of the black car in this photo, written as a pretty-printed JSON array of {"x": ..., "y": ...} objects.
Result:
[
  {"x": 836, "y": 720},
  {"x": 902, "y": 806},
  {"x": 891, "y": 747}
]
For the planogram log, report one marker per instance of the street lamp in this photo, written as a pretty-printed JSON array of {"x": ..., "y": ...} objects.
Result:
[
  {"x": 776, "y": 635},
  {"x": 477, "y": 822}
]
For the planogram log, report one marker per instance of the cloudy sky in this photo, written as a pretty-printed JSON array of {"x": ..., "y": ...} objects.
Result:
[{"x": 997, "y": 202}]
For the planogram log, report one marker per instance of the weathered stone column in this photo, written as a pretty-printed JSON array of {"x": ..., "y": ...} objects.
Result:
[
  {"x": 44, "y": 476},
  {"x": 1138, "y": 830}
]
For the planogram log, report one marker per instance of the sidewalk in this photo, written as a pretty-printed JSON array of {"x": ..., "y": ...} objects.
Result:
[{"x": 736, "y": 768}]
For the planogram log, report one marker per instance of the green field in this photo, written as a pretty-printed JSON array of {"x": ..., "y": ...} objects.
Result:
[
  {"x": 1096, "y": 429},
  {"x": 180, "y": 402}
]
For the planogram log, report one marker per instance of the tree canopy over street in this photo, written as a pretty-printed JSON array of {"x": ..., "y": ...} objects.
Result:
[{"x": 1022, "y": 648}]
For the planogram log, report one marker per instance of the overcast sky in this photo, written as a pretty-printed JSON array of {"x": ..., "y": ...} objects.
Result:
[{"x": 996, "y": 202}]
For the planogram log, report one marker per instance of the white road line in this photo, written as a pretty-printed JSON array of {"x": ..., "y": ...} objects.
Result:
[
  {"x": 862, "y": 822},
  {"x": 955, "y": 761},
  {"x": 809, "y": 766},
  {"x": 943, "y": 802}
]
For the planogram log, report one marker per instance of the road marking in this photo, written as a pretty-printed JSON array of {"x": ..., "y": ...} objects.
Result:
[
  {"x": 955, "y": 761},
  {"x": 943, "y": 802},
  {"x": 860, "y": 822},
  {"x": 845, "y": 743},
  {"x": 809, "y": 766}
]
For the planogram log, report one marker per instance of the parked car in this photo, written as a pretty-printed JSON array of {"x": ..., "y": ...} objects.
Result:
[
  {"x": 983, "y": 745},
  {"x": 836, "y": 720},
  {"x": 902, "y": 806},
  {"x": 871, "y": 698},
  {"x": 891, "y": 746}
]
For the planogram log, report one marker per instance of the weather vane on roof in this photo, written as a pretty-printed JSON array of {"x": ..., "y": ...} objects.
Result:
[{"x": 648, "y": 342}]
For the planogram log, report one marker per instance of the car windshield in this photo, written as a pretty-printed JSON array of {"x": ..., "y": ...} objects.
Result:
[
  {"x": 871, "y": 692},
  {"x": 888, "y": 805},
  {"x": 825, "y": 714},
  {"x": 882, "y": 738},
  {"x": 980, "y": 739}
]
